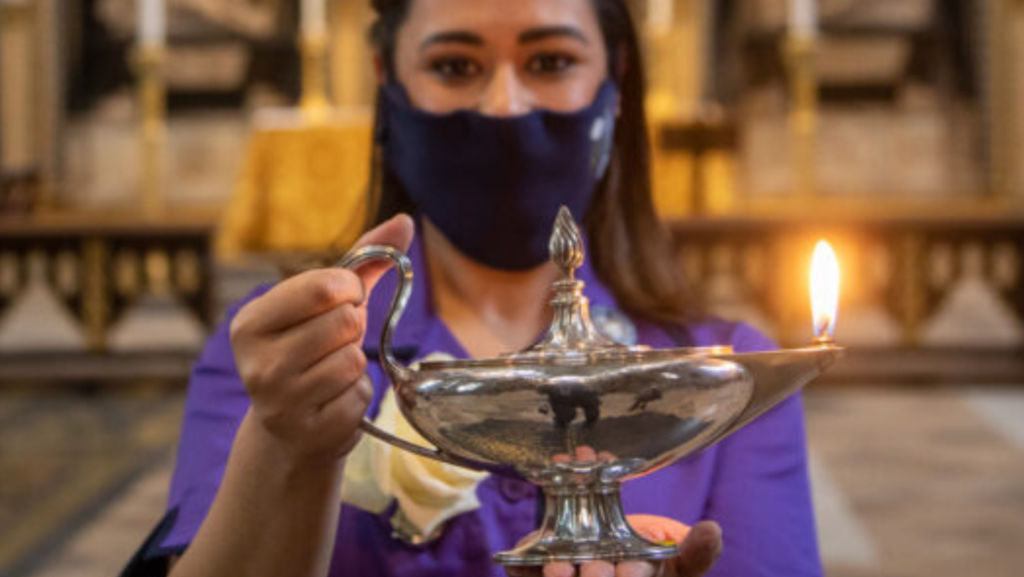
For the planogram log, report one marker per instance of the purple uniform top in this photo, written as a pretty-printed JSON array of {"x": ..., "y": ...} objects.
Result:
[{"x": 753, "y": 483}]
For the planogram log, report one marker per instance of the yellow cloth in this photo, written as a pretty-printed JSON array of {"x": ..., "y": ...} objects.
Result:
[
  {"x": 428, "y": 492},
  {"x": 302, "y": 186}
]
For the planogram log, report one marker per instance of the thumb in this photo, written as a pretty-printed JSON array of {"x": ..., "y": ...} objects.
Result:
[
  {"x": 699, "y": 551},
  {"x": 397, "y": 233}
]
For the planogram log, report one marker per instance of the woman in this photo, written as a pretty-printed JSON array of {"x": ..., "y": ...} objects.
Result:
[{"x": 491, "y": 114}]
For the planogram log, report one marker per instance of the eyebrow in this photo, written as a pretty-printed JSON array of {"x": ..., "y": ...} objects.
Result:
[
  {"x": 531, "y": 35},
  {"x": 545, "y": 32},
  {"x": 452, "y": 37}
]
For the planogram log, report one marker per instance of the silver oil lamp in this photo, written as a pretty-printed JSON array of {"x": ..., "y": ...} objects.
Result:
[{"x": 579, "y": 414}]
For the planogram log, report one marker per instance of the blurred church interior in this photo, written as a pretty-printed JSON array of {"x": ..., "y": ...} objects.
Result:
[{"x": 154, "y": 171}]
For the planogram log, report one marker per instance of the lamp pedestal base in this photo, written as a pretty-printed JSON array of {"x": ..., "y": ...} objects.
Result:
[{"x": 584, "y": 523}]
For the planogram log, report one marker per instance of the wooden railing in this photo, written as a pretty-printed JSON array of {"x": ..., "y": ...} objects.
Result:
[
  {"x": 98, "y": 266},
  {"x": 907, "y": 266}
]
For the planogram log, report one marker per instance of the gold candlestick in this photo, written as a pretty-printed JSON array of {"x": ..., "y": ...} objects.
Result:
[
  {"x": 800, "y": 53},
  {"x": 314, "y": 102},
  {"x": 149, "y": 59}
]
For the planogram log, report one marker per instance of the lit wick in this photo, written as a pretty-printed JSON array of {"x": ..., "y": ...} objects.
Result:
[{"x": 824, "y": 293}]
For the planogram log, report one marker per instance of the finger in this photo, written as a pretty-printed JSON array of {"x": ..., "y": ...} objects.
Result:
[
  {"x": 700, "y": 550},
  {"x": 585, "y": 454},
  {"x": 396, "y": 232},
  {"x": 597, "y": 569},
  {"x": 635, "y": 569},
  {"x": 338, "y": 421},
  {"x": 297, "y": 299},
  {"x": 312, "y": 341},
  {"x": 559, "y": 569},
  {"x": 331, "y": 376},
  {"x": 659, "y": 529}
]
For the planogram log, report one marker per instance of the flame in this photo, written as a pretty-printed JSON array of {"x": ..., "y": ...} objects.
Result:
[{"x": 824, "y": 290}]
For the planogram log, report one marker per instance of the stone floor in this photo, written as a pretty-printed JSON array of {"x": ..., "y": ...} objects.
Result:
[
  {"x": 72, "y": 465},
  {"x": 933, "y": 480},
  {"x": 908, "y": 482}
]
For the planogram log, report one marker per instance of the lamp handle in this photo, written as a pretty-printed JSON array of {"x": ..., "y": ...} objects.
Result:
[{"x": 398, "y": 373}]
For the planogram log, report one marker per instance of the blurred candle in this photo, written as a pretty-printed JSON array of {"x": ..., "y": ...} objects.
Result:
[
  {"x": 803, "y": 18},
  {"x": 314, "y": 17},
  {"x": 824, "y": 291},
  {"x": 151, "y": 22},
  {"x": 659, "y": 15}
]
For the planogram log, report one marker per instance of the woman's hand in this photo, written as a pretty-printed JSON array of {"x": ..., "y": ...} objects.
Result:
[
  {"x": 299, "y": 353},
  {"x": 699, "y": 547}
]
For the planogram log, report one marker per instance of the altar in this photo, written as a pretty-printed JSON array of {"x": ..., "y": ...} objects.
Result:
[{"x": 765, "y": 124}]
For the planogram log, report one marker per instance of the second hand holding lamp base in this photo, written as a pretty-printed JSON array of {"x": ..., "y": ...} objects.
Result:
[{"x": 579, "y": 414}]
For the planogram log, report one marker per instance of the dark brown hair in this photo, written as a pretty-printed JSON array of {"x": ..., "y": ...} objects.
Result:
[{"x": 630, "y": 249}]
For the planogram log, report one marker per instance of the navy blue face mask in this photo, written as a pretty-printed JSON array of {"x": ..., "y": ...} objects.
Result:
[{"x": 493, "y": 185}]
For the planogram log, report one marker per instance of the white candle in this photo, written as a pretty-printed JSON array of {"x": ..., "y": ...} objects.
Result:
[
  {"x": 151, "y": 22},
  {"x": 314, "y": 17},
  {"x": 659, "y": 15},
  {"x": 803, "y": 18}
]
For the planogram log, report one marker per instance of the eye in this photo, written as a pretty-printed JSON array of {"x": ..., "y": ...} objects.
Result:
[
  {"x": 551, "y": 63},
  {"x": 454, "y": 67}
]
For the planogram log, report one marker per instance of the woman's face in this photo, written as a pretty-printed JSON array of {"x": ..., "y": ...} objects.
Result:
[{"x": 501, "y": 57}]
